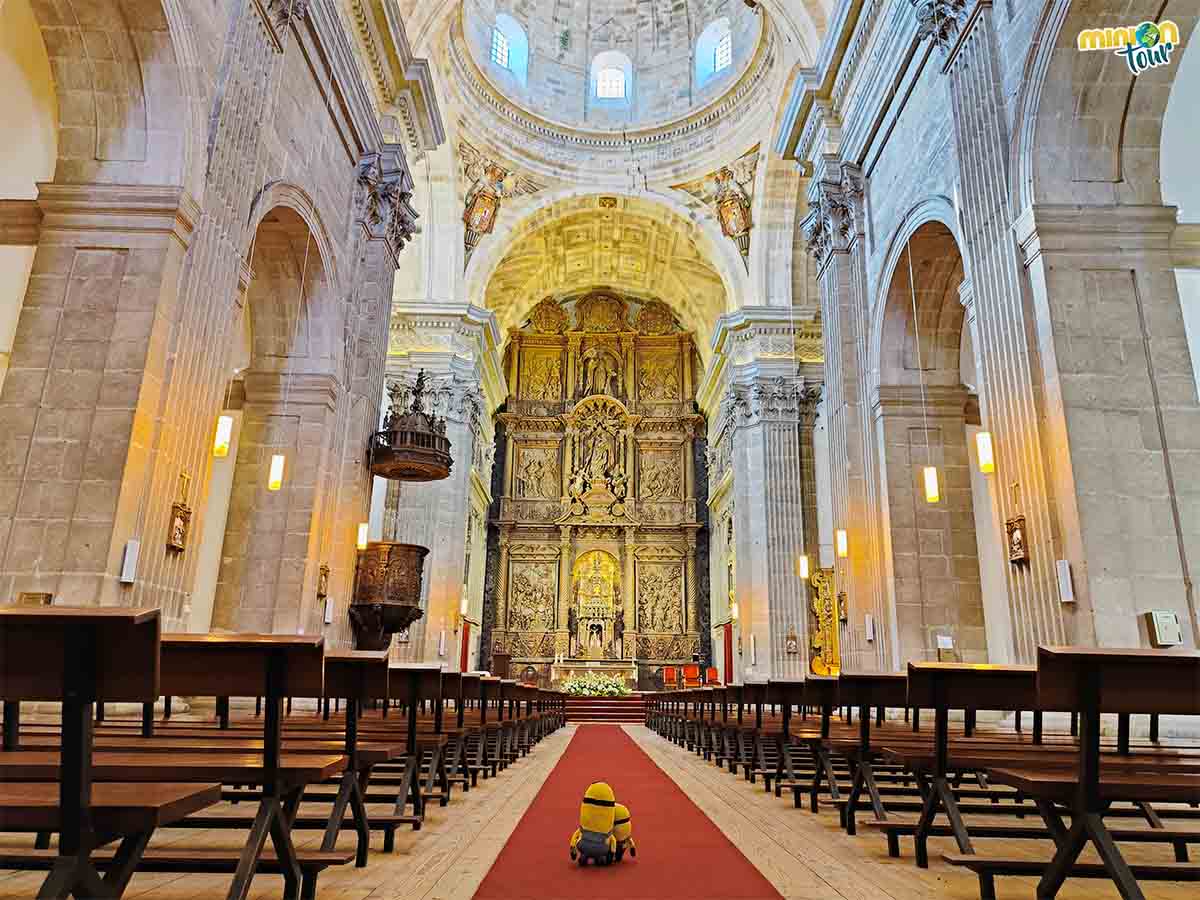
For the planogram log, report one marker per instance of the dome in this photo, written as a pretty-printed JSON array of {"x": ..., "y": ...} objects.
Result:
[{"x": 607, "y": 65}]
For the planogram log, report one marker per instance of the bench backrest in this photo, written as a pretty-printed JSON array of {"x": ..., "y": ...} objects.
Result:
[
  {"x": 932, "y": 685},
  {"x": 1166, "y": 682},
  {"x": 887, "y": 689},
  {"x": 236, "y": 665},
  {"x": 413, "y": 683},
  {"x": 33, "y": 643},
  {"x": 356, "y": 674}
]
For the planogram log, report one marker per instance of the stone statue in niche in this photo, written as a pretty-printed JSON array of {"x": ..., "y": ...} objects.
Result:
[{"x": 601, "y": 373}]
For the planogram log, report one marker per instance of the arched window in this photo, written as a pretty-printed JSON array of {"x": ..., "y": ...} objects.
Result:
[
  {"x": 510, "y": 47},
  {"x": 612, "y": 74},
  {"x": 610, "y": 84},
  {"x": 714, "y": 50}
]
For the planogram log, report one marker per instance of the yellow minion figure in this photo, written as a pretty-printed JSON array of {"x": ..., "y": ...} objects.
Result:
[
  {"x": 623, "y": 831},
  {"x": 593, "y": 839}
]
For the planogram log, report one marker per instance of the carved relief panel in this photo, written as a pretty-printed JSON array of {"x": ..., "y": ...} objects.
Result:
[
  {"x": 536, "y": 472},
  {"x": 660, "y": 597},
  {"x": 532, "y": 594},
  {"x": 660, "y": 474},
  {"x": 658, "y": 376},
  {"x": 541, "y": 374}
]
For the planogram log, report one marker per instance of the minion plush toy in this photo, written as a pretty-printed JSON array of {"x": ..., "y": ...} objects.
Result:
[
  {"x": 593, "y": 839},
  {"x": 623, "y": 831}
]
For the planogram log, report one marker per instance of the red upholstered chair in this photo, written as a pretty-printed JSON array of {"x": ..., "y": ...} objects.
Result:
[
  {"x": 670, "y": 678},
  {"x": 712, "y": 676},
  {"x": 691, "y": 675}
]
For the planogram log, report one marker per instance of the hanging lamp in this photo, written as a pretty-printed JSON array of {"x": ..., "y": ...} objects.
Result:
[
  {"x": 986, "y": 452},
  {"x": 929, "y": 473}
]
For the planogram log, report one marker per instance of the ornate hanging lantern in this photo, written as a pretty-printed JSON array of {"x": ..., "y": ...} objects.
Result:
[{"x": 413, "y": 445}]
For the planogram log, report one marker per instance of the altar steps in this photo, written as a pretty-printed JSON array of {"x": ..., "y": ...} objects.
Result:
[{"x": 610, "y": 710}]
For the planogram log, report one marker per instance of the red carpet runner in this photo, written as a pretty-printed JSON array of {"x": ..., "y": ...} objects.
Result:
[{"x": 682, "y": 855}]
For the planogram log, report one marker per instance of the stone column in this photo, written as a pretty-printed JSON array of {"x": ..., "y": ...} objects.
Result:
[
  {"x": 1008, "y": 393},
  {"x": 573, "y": 344},
  {"x": 466, "y": 386},
  {"x": 693, "y": 609},
  {"x": 768, "y": 520},
  {"x": 835, "y": 234},
  {"x": 629, "y": 595},
  {"x": 82, "y": 400},
  {"x": 434, "y": 515},
  {"x": 564, "y": 584},
  {"x": 499, "y": 636},
  {"x": 1122, "y": 414}
]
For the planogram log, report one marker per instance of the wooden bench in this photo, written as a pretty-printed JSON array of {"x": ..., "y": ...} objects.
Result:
[
  {"x": 1093, "y": 682},
  {"x": 108, "y": 652}
]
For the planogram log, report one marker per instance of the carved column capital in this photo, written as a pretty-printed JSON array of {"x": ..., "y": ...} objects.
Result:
[
  {"x": 284, "y": 12},
  {"x": 837, "y": 213},
  {"x": 779, "y": 399},
  {"x": 940, "y": 19}
]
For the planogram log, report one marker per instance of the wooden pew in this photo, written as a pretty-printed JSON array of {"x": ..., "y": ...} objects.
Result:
[
  {"x": 1093, "y": 682},
  {"x": 103, "y": 652},
  {"x": 273, "y": 667}
]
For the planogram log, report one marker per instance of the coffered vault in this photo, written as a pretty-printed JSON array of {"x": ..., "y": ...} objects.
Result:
[{"x": 637, "y": 246}]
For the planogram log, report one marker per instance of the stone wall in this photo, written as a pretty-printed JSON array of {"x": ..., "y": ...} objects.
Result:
[{"x": 206, "y": 125}]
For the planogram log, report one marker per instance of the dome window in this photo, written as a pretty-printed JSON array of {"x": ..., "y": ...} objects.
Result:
[
  {"x": 714, "y": 51},
  {"x": 612, "y": 77},
  {"x": 499, "y": 48},
  {"x": 510, "y": 47},
  {"x": 610, "y": 84}
]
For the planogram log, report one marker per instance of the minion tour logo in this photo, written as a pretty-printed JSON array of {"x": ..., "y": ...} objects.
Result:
[{"x": 1143, "y": 46}]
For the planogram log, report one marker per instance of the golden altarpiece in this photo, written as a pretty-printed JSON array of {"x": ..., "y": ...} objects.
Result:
[{"x": 598, "y": 511}]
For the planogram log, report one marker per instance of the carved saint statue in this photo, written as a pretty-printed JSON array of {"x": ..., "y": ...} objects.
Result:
[
  {"x": 598, "y": 466},
  {"x": 619, "y": 631},
  {"x": 572, "y": 630}
]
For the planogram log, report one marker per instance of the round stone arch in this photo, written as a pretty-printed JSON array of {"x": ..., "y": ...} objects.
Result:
[
  {"x": 296, "y": 198},
  {"x": 1090, "y": 132},
  {"x": 939, "y": 209},
  {"x": 721, "y": 253},
  {"x": 130, "y": 100}
]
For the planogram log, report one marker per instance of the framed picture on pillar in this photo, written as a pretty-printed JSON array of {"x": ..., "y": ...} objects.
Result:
[
  {"x": 181, "y": 518},
  {"x": 791, "y": 643},
  {"x": 1018, "y": 540}
]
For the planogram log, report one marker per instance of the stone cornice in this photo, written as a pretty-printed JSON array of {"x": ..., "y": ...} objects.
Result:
[
  {"x": 1094, "y": 230},
  {"x": 324, "y": 39},
  {"x": 108, "y": 209},
  {"x": 751, "y": 335},
  {"x": 409, "y": 81},
  {"x": 20, "y": 222},
  {"x": 428, "y": 330},
  {"x": 1185, "y": 246},
  {"x": 817, "y": 83},
  {"x": 935, "y": 401},
  {"x": 300, "y": 389}
]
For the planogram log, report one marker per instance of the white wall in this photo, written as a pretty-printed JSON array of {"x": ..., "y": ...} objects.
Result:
[
  {"x": 1180, "y": 186},
  {"x": 28, "y": 148}
]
